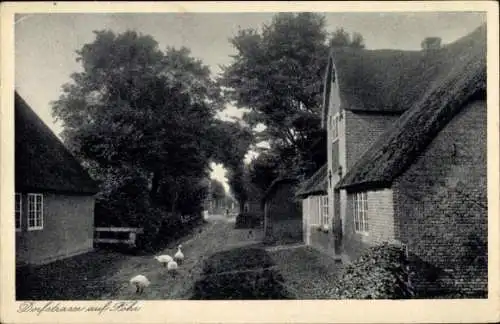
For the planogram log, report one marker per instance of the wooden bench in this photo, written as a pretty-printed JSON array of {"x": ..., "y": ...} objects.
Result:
[{"x": 132, "y": 235}]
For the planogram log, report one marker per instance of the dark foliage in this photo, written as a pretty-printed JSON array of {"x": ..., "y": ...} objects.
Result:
[
  {"x": 278, "y": 74},
  {"x": 243, "y": 273},
  {"x": 143, "y": 122},
  {"x": 254, "y": 285},
  {"x": 379, "y": 273}
]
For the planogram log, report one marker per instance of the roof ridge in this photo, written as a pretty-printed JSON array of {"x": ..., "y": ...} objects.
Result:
[
  {"x": 42, "y": 160},
  {"x": 389, "y": 156}
]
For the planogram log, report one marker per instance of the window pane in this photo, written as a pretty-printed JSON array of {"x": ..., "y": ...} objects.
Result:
[
  {"x": 365, "y": 207},
  {"x": 360, "y": 210},
  {"x": 17, "y": 210},
  {"x": 35, "y": 210},
  {"x": 18, "y": 201},
  {"x": 355, "y": 212},
  {"x": 31, "y": 220}
]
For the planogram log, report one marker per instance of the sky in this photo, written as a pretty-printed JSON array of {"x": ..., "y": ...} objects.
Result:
[{"x": 46, "y": 44}]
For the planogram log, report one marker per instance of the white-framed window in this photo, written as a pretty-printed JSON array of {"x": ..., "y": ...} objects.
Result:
[
  {"x": 18, "y": 210},
  {"x": 360, "y": 208},
  {"x": 314, "y": 212},
  {"x": 35, "y": 211},
  {"x": 324, "y": 210},
  {"x": 335, "y": 128}
]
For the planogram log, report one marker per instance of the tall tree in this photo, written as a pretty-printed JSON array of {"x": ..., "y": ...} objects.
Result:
[
  {"x": 278, "y": 74},
  {"x": 341, "y": 38},
  {"x": 431, "y": 43},
  {"x": 135, "y": 107},
  {"x": 263, "y": 170}
]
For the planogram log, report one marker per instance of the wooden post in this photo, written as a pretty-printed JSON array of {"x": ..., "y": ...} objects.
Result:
[{"x": 132, "y": 236}]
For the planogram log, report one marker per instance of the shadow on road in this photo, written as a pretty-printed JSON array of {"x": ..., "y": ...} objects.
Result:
[{"x": 241, "y": 273}]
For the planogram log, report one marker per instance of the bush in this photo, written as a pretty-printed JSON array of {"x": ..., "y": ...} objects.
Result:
[
  {"x": 243, "y": 273},
  {"x": 124, "y": 202},
  {"x": 237, "y": 259},
  {"x": 252, "y": 285},
  {"x": 380, "y": 273}
]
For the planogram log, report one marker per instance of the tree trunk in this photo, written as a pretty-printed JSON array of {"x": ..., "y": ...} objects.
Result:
[
  {"x": 154, "y": 185},
  {"x": 174, "y": 201},
  {"x": 242, "y": 206}
]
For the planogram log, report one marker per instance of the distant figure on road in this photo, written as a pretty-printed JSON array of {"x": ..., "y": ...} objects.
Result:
[{"x": 227, "y": 212}]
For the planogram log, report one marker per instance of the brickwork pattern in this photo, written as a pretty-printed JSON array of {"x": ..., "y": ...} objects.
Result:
[{"x": 441, "y": 203}]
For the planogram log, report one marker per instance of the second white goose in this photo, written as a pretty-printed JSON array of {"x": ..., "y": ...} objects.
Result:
[{"x": 179, "y": 256}]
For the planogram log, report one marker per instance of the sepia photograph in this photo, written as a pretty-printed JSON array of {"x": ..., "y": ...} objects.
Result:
[{"x": 274, "y": 155}]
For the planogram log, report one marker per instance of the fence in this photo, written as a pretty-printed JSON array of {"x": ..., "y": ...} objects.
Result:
[{"x": 129, "y": 238}]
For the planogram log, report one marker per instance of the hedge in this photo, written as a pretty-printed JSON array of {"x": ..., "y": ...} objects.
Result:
[{"x": 379, "y": 273}]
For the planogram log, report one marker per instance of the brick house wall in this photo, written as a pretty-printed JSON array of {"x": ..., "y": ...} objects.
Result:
[
  {"x": 358, "y": 131},
  {"x": 441, "y": 202},
  {"x": 68, "y": 229},
  {"x": 361, "y": 131},
  {"x": 283, "y": 215},
  {"x": 335, "y": 152},
  {"x": 380, "y": 224}
]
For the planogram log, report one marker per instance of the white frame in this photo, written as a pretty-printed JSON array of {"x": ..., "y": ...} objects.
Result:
[
  {"x": 313, "y": 211},
  {"x": 20, "y": 211},
  {"x": 318, "y": 210},
  {"x": 324, "y": 217},
  {"x": 360, "y": 211},
  {"x": 36, "y": 211},
  {"x": 335, "y": 127}
]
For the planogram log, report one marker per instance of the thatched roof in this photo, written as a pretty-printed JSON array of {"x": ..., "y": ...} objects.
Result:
[
  {"x": 316, "y": 184},
  {"x": 42, "y": 162},
  {"x": 277, "y": 182},
  {"x": 462, "y": 78},
  {"x": 386, "y": 81}
]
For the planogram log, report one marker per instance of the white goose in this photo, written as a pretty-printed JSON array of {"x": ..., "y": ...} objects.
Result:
[
  {"x": 164, "y": 259},
  {"x": 172, "y": 268},
  {"x": 140, "y": 282},
  {"x": 179, "y": 256}
]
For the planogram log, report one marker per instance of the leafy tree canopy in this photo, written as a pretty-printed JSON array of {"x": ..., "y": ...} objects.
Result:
[
  {"x": 277, "y": 73},
  {"x": 137, "y": 109}
]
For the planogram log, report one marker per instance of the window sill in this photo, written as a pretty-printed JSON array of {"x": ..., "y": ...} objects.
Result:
[
  {"x": 31, "y": 229},
  {"x": 363, "y": 233}
]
